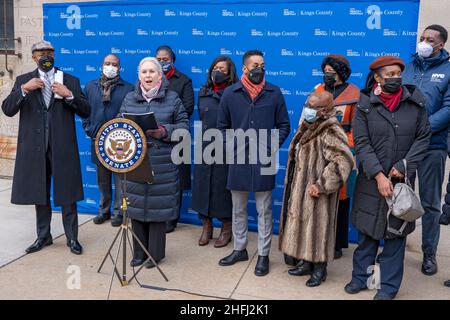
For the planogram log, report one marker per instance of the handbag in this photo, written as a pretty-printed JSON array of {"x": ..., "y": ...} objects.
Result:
[{"x": 404, "y": 204}]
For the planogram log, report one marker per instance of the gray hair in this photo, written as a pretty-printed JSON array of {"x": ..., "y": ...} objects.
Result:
[{"x": 152, "y": 60}]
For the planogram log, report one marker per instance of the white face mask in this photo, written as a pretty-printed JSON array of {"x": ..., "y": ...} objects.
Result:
[
  {"x": 110, "y": 71},
  {"x": 424, "y": 49}
]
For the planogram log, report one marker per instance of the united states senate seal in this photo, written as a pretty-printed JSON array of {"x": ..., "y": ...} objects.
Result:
[{"x": 120, "y": 145}]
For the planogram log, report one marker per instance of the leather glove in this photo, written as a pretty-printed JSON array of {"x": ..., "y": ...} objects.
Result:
[{"x": 159, "y": 133}]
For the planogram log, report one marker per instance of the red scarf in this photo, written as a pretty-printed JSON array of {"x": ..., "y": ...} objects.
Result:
[
  {"x": 170, "y": 73},
  {"x": 218, "y": 87},
  {"x": 392, "y": 100},
  {"x": 252, "y": 89}
]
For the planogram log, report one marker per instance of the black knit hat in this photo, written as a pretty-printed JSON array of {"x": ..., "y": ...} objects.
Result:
[{"x": 339, "y": 63}]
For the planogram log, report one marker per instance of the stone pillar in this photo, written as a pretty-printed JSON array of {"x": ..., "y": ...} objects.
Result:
[{"x": 28, "y": 25}]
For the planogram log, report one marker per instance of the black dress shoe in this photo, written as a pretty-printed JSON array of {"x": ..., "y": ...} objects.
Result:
[
  {"x": 353, "y": 288},
  {"x": 149, "y": 264},
  {"x": 136, "y": 262},
  {"x": 383, "y": 296},
  {"x": 235, "y": 256},
  {"x": 262, "y": 266},
  {"x": 290, "y": 261},
  {"x": 318, "y": 276},
  {"x": 429, "y": 264},
  {"x": 303, "y": 268},
  {"x": 117, "y": 221},
  {"x": 39, "y": 244},
  {"x": 101, "y": 218},
  {"x": 75, "y": 246},
  {"x": 171, "y": 225},
  {"x": 447, "y": 283},
  {"x": 337, "y": 254}
]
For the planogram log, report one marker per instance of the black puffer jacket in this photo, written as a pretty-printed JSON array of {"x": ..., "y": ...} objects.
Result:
[
  {"x": 159, "y": 201},
  {"x": 182, "y": 85},
  {"x": 382, "y": 140}
]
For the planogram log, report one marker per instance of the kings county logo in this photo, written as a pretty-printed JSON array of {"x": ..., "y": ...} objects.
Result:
[{"x": 120, "y": 145}]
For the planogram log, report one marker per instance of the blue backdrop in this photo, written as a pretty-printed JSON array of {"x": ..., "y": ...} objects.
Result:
[{"x": 294, "y": 35}]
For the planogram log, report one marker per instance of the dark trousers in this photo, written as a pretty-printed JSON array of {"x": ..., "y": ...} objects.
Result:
[
  {"x": 44, "y": 212},
  {"x": 431, "y": 177},
  {"x": 104, "y": 181},
  {"x": 153, "y": 237},
  {"x": 342, "y": 224},
  {"x": 391, "y": 262},
  {"x": 202, "y": 217}
]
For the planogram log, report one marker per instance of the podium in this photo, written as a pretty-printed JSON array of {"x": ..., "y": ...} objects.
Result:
[{"x": 121, "y": 146}]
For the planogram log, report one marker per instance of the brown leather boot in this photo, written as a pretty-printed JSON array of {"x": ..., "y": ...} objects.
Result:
[
  {"x": 225, "y": 235},
  {"x": 207, "y": 232}
]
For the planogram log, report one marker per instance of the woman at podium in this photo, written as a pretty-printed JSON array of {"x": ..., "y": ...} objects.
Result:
[{"x": 151, "y": 205}]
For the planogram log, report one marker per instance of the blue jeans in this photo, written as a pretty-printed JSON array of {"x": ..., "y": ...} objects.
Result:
[{"x": 431, "y": 177}]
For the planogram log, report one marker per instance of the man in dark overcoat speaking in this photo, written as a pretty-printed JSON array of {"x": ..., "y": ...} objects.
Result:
[{"x": 47, "y": 144}]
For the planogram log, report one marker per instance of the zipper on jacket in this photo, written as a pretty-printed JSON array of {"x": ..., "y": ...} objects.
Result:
[{"x": 395, "y": 137}]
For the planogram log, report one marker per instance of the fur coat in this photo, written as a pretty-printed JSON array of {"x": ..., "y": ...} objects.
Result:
[{"x": 318, "y": 154}]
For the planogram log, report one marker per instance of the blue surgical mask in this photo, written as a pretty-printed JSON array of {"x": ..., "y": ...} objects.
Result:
[
  {"x": 310, "y": 114},
  {"x": 166, "y": 66}
]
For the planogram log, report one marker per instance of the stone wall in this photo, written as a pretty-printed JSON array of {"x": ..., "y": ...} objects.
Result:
[{"x": 28, "y": 25}]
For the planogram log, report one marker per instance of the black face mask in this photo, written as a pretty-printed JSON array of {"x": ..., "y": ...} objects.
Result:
[
  {"x": 46, "y": 63},
  {"x": 329, "y": 79},
  {"x": 218, "y": 77},
  {"x": 256, "y": 75},
  {"x": 392, "y": 85}
]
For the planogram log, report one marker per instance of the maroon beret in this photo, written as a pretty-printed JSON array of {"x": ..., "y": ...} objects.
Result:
[{"x": 384, "y": 61}]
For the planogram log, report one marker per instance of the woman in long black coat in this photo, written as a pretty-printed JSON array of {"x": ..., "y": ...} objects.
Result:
[
  {"x": 182, "y": 85},
  {"x": 152, "y": 205},
  {"x": 210, "y": 197},
  {"x": 390, "y": 125}
]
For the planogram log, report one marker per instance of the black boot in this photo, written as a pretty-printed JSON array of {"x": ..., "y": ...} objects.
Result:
[
  {"x": 303, "y": 268},
  {"x": 290, "y": 261},
  {"x": 447, "y": 283},
  {"x": 262, "y": 266},
  {"x": 429, "y": 264},
  {"x": 319, "y": 275}
]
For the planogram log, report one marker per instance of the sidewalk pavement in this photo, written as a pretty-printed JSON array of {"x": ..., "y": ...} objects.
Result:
[{"x": 193, "y": 271}]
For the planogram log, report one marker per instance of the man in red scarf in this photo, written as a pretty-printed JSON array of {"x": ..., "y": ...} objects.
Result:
[{"x": 252, "y": 104}]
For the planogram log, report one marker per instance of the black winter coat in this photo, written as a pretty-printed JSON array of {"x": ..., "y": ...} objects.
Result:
[
  {"x": 382, "y": 140},
  {"x": 158, "y": 201},
  {"x": 210, "y": 197},
  {"x": 182, "y": 85},
  {"x": 30, "y": 167},
  {"x": 237, "y": 111}
]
